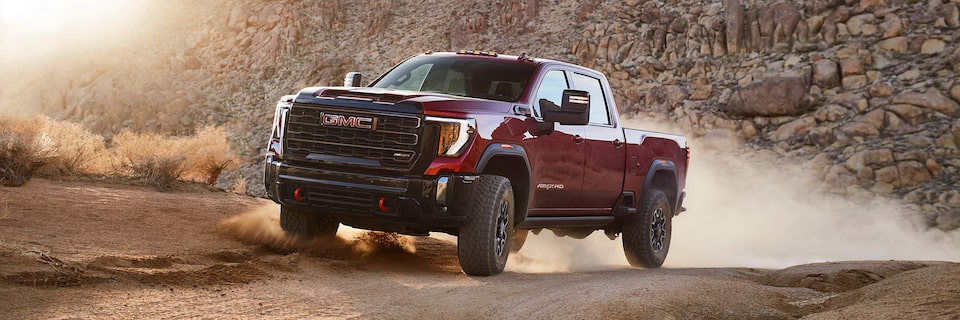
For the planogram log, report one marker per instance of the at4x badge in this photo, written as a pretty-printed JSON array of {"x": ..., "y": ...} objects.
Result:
[{"x": 337, "y": 120}]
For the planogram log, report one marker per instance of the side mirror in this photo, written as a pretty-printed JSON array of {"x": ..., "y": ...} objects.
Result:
[
  {"x": 574, "y": 108},
  {"x": 353, "y": 79}
]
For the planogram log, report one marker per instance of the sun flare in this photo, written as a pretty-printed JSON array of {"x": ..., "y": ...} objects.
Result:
[
  {"x": 37, "y": 31},
  {"x": 39, "y": 17}
]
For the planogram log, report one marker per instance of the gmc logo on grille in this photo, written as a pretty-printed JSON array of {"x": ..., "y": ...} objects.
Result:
[{"x": 345, "y": 121}]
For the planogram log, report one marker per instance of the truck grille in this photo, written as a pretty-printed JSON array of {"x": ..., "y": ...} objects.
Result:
[{"x": 392, "y": 140}]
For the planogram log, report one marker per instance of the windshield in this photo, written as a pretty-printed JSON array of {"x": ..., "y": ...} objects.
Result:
[{"x": 460, "y": 76}]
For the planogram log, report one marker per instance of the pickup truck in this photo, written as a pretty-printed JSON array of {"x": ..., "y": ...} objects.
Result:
[{"x": 483, "y": 146}]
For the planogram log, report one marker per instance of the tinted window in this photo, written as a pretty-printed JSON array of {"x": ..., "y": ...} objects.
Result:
[
  {"x": 461, "y": 76},
  {"x": 599, "y": 114},
  {"x": 550, "y": 92}
]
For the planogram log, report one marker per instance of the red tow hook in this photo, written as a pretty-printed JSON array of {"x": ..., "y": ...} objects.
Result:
[
  {"x": 382, "y": 205},
  {"x": 298, "y": 194}
]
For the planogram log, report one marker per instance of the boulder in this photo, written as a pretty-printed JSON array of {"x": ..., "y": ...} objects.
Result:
[
  {"x": 895, "y": 44},
  {"x": 787, "y": 16},
  {"x": 913, "y": 173},
  {"x": 955, "y": 92},
  {"x": 931, "y": 99},
  {"x": 949, "y": 220},
  {"x": 892, "y": 27},
  {"x": 855, "y": 24},
  {"x": 950, "y": 198},
  {"x": 832, "y": 113},
  {"x": 869, "y": 158},
  {"x": 873, "y": 5},
  {"x": 854, "y": 82},
  {"x": 793, "y": 129},
  {"x": 874, "y": 118},
  {"x": 826, "y": 74},
  {"x": 860, "y": 130},
  {"x": 822, "y": 136},
  {"x": 950, "y": 12},
  {"x": 852, "y": 66},
  {"x": 933, "y": 46},
  {"x": 911, "y": 114},
  {"x": 881, "y": 90},
  {"x": 887, "y": 175},
  {"x": 771, "y": 97},
  {"x": 735, "y": 18}
]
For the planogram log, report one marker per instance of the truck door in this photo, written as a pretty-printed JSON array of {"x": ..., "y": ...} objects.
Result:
[
  {"x": 604, "y": 168},
  {"x": 558, "y": 157}
]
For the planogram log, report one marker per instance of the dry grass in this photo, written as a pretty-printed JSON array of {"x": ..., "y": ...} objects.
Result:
[
  {"x": 43, "y": 146},
  {"x": 160, "y": 160},
  {"x": 23, "y": 149},
  {"x": 156, "y": 160},
  {"x": 78, "y": 151},
  {"x": 208, "y": 154}
]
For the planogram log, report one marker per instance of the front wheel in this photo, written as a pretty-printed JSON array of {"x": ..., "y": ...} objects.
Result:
[
  {"x": 307, "y": 224},
  {"x": 485, "y": 241},
  {"x": 646, "y": 238}
]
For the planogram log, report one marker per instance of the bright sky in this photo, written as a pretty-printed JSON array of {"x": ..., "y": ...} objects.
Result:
[
  {"x": 33, "y": 31},
  {"x": 38, "y": 17}
]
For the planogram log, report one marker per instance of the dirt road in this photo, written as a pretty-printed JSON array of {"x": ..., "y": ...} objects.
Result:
[{"x": 88, "y": 249}]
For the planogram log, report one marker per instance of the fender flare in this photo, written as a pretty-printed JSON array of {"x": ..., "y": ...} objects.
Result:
[
  {"x": 498, "y": 149},
  {"x": 516, "y": 151},
  {"x": 657, "y": 166}
]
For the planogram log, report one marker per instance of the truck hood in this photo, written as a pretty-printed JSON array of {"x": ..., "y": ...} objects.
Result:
[{"x": 433, "y": 103}]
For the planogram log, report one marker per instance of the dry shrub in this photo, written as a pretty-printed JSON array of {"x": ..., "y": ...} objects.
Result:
[
  {"x": 208, "y": 154},
  {"x": 154, "y": 159},
  {"x": 41, "y": 145},
  {"x": 78, "y": 151},
  {"x": 23, "y": 149},
  {"x": 160, "y": 160},
  {"x": 240, "y": 186}
]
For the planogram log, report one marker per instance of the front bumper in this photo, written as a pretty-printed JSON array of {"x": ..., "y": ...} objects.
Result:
[{"x": 369, "y": 201}]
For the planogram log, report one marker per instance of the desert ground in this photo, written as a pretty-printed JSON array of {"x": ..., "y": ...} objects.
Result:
[{"x": 82, "y": 248}]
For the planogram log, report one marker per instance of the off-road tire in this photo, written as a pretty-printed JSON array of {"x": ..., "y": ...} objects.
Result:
[
  {"x": 484, "y": 243},
  {"x": 646, "y": 236},
  {"x": 307, "y": 225}
]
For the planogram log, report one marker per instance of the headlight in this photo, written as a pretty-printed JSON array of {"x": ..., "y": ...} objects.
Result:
[
  {"x": 454, "y": 135},
  {"x": 279, "y": 120}
]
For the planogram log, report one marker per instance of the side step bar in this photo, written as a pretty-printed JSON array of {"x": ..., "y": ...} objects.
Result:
[{"x": 566, "y": 222}]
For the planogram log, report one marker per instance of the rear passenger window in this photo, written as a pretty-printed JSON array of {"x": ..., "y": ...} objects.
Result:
[{"x": 599, "y": 114}]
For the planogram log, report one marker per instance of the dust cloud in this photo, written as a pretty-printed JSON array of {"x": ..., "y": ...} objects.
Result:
[
  {"x": 744, "y": 210},
  {"x": 261, "y": 226},
  {"x": 55, "y": 43}
]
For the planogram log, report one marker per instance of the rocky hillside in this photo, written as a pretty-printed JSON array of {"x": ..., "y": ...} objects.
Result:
[{"x": 861, "y": 93}]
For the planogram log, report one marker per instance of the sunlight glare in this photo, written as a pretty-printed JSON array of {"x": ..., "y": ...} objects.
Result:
[{"x": 40, "y": 17}]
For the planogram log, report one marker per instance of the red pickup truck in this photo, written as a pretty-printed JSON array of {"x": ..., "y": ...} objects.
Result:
[{"x": 483, "y": 146}]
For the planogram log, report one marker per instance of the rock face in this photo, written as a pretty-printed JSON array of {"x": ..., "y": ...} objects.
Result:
[
  {"x": 780, "y": 96},
  {"x": 869, "y": 89}
]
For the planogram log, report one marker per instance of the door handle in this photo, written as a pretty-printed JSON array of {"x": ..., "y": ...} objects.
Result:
[
  {"x": 578, "y": 139},
  {"x": 618, "y": 143}
]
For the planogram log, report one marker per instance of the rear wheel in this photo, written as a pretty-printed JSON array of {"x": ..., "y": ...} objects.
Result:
[
  {"x": 485, "y": 241},
  {"x": 307, "y": 224},
  {"x": 646, "y": 237}
]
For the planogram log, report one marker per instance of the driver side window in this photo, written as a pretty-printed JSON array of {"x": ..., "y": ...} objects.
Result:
[{"x": 550, "y": 92}]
